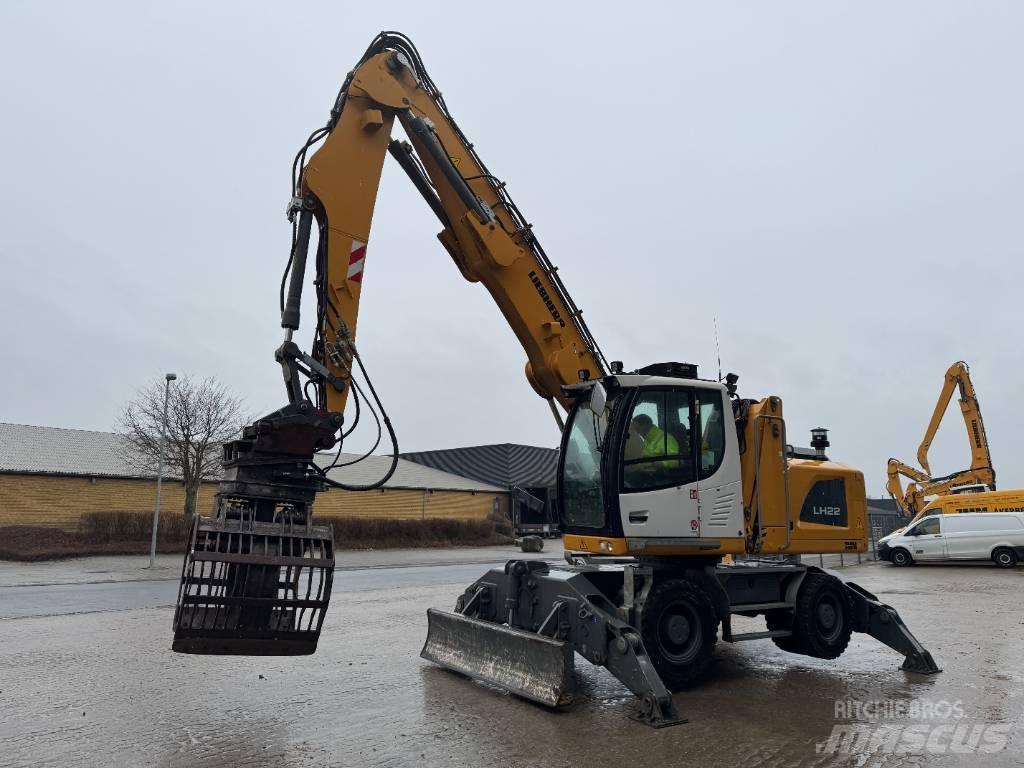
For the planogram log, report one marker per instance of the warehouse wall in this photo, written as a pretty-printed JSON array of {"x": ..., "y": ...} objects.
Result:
[
  {"x": 412, "y": 504},
  {"x": 53, "y": 501},
  {"x": 49, "y": 500}
]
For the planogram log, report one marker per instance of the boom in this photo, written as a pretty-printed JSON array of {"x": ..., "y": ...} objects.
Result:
[
  {"x": 482, "y": 230},
  {"x": 912, "y": 501},
  {"x": 959, "y": 376},
  {"x": 908, "y": 502},
  {"x": 923, "y": 484}
]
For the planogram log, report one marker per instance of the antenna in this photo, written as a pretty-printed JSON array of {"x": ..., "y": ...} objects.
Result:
[{"x": 718, "y": 350}]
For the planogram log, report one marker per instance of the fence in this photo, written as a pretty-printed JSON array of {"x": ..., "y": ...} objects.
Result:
[{"x": 879, "y": 525}]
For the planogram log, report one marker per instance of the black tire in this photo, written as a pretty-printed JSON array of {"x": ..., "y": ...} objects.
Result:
[
  {"x": 679, "y": 631},
  {"x": 782, "y": 619},
  {"x": 1004, "y": 557},
  {"x": 824, "y": 617},
  {"x": 900, "y": 557}
]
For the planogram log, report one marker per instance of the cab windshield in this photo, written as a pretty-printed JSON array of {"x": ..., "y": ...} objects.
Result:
[{"x": 582, "y": 499}]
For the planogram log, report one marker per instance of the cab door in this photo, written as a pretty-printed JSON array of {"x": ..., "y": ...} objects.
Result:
[
  {"x": 927, "y": 541},
  {"x": 720, "y": 488},
  {"x": 658, "y": 492}
]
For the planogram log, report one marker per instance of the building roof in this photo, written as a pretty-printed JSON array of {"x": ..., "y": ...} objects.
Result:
[
  {"x": 505, "y": 464},
  {"x": 77, "y": 452},
  {"x": 52, "y": 451},
  {"x": 883, "y": 506},
  {"x": 408, "y": 474}
]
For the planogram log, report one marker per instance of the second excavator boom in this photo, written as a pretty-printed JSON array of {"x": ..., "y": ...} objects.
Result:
[
  {"x": 923, "y": 484},
  {"x": 958, "y": 377}
]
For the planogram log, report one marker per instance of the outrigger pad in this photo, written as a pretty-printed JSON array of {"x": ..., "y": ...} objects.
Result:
[
  {"x": 253, "y": 588},
  {"x": 524, "y": 663},
  {"x": 922, "y": 664}
]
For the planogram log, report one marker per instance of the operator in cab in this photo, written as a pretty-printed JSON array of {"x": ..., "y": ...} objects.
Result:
[
  {"x": 653, "y": 456},
  {"x": 653, "y": 441}
]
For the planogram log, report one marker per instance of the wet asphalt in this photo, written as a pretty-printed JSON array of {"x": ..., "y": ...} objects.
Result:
[
  {"x": 63, "y": 599},
  {"x": 87, "y": 678}
]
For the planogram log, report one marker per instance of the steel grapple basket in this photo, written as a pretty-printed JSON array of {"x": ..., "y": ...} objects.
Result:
[{"x": 252, "y": 587}]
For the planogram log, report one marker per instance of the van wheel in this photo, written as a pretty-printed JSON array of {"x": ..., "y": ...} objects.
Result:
[
  {"x": 824, "y": 613},
  {"x": 679, "y": 631},
  {"x": 900, "y": 557},
  {"x": 1004, "y": 557}
]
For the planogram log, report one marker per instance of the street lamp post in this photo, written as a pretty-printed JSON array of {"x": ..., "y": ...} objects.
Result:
[{"x": 168, "y": 378}]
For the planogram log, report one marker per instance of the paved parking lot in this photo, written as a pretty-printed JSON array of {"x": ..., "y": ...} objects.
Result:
[{"x": 99, "y": 686}]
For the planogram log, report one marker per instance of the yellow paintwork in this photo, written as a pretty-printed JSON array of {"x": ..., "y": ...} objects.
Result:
[
  {"x": 987, "y": 501},
  {"x": 607, "y": 545},
  {"x": 765, "y": 492},
  {"x": 344, "y": 175},
  {"x": 912, "y": 501},
  {"x": 959, "y": 376}
]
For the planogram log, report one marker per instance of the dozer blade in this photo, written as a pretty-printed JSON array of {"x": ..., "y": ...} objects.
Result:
[
  {"x": 524, "y": 663},
  {"x": 253, "y": 588}
]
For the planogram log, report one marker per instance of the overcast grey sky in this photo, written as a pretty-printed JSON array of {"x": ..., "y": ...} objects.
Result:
[{"x": 841, "y": 185}]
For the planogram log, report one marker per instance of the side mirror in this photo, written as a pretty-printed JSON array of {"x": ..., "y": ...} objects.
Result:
[{"x": 598, "y": 398}]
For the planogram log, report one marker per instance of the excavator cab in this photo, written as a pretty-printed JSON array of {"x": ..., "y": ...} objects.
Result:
[
  {"x": 666, "y": 467},
  {"x": 638, "y": 459}
]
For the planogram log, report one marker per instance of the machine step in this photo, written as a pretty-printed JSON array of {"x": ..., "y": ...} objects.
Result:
[
  {"x": 761, "y": 635},
  {"x": 741, "y": 607}
]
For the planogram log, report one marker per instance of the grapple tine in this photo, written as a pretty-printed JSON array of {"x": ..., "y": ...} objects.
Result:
[
  {"x": 524, "y": 663},
  {"x": 253, "y": 588},
  {"x": 257, "y": 575}
]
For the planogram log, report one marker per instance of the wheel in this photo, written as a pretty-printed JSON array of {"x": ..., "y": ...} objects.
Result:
[
  {"x": 782, "y": 619},
  {"x": 823, "y": 625},
  {"x": 900, "y": 557},
  {"x": 679, "y": 631},
  {"x": 1004, "y": 557}
]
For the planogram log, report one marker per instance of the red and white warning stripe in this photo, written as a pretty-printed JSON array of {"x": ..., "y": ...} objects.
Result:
[{"x": 356, "y": 259}]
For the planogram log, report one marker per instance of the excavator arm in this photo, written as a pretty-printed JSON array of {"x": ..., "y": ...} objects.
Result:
[
  {"x": 482, "y": 230},
  {"x": 233, "y": 597},
  {"x": 959, "y": 377},
  {"x": 908, "y": 502},
  {"x": 923, "y": 484},
  {"x": 911, "y": 502}
]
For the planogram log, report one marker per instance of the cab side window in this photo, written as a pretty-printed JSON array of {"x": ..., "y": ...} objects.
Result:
[
  {"x": 712, "y": 433},
  {"x": 931, "y": 525},
  {"x": 658, "y": 451}
]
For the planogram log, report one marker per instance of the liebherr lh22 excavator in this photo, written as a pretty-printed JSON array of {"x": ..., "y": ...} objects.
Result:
[{"x": 661, "y": 474}]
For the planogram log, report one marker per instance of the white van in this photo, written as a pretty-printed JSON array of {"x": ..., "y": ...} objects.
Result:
[{"x": 995, "y": 536}]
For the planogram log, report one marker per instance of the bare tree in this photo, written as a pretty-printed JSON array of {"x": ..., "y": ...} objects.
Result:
[{"x": 201, "y": 416}]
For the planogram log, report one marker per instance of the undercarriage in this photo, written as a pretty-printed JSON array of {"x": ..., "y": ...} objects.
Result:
[{"x": 653, "y": 625}]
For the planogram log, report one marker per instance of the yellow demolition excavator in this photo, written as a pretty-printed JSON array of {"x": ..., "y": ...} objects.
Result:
[
  {"x": 967, "y": 490},
  {"x": 661, "y": 474}
]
